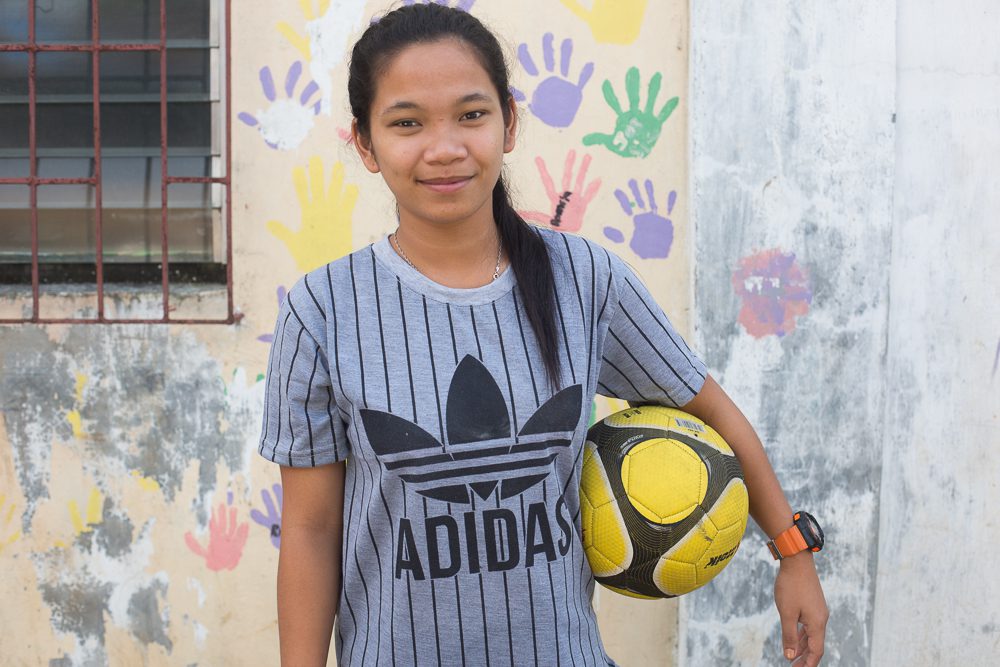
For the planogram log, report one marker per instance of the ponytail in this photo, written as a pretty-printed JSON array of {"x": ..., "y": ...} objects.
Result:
[{"x": 529, "y": 259}]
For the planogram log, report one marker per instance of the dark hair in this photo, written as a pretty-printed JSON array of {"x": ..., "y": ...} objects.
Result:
[{"x": 425, "y": 23}]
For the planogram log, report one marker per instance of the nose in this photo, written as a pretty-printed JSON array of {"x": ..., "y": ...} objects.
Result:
[{"x": 445, "y": 145}]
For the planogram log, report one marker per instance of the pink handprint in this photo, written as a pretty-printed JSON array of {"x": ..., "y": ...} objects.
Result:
[
  {"x": 568, "y": 206},
  {"x": 225, "y": 540}
]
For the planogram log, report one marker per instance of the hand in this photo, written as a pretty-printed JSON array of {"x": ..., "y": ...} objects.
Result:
[
  {"x": 271, "y": 520},
  {"x": 325, "y": 233},
  {"x": 286, "y": 122},
  {"x": 556, "y": 99},
  {"x": 225, "y": 540},
  {"x": 802, "y": 608},
  {"x": 652, "y": 234},
  {"x": 636, "y": 131},
  {"x": 611, "y": 21},
  {"x": 568, "y": 206}
]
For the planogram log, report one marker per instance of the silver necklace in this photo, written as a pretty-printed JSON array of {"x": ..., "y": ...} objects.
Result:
[{"x": 395, "y": 240}]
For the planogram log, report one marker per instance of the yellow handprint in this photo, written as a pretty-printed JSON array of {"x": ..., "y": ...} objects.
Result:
[
  {"x": 611, "y": 21},
  {"x": 325, "y": 233},
  {"x": 95, "y": 515},
  {"x": 325, "y": 40},
  {"x": 301, "y": 42},
  {"x": 13, "y": 537}
]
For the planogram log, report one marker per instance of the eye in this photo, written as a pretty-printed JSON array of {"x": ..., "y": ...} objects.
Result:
[
  {"x": 474, "y": 115},
  {"x": 407, "y": 123}
]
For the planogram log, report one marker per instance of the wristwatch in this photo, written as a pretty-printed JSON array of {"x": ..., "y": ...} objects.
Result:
[{"x": 805, "y": 533}]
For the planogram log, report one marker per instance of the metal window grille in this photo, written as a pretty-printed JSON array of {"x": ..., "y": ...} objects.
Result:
[{"x": 95, "y": 48}]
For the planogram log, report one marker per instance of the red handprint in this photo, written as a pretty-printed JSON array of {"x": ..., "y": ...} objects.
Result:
[
  {"x": 225, "y": 540},
  {"x": 568, "y": 206}
]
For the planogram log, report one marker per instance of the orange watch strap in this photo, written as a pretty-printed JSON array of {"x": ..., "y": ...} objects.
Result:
[{"x": 790, "y": 542}]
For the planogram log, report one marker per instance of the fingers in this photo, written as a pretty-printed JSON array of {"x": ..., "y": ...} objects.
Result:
[
  {"x": 599, "y": 138},
  {"x": 315, "y": 169},
  {"x": 632, "y": 87},
  {"x": 543, "y": 171},
  {"x": 284, "y": 234},
  {"x": 667, "y": 109},
  {"x": 193, "y": 544},
  {"x": 610, "y": 98},
  {"x": 815, "y": 640},
  {"x": 568, "y": 171},
  {"x": 654, "y": 90},
  {"x": 789, "y": 635},
  {"x": 536, "y": 216}
]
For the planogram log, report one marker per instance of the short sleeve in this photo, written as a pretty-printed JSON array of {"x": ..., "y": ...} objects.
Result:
[
  {"x": 644, "y": 359},
  {"x": 302, "y": 424}
]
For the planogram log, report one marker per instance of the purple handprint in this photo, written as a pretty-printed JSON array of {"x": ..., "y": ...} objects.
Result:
[
  {"x": 271, "y": 520},
  {"x": 464, "y": 5},
  {"x": 556, "y": 99},
  {"x": 653, "y": 234},
  {"x": 286, "y": 122},
  {"x": 269, "y": 338}
]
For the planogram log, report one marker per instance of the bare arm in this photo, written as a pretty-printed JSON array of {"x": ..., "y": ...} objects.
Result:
[{"x": 312, "y": 524}]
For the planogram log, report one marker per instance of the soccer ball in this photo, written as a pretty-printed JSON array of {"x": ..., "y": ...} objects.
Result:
[{"x": 663, "y": 502}]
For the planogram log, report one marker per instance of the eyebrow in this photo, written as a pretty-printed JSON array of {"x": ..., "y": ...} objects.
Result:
[{"x": 405, "y": 105}]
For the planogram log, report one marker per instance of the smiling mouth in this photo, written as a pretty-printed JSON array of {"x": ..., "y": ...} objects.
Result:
[{"x": 445, "y": 185}]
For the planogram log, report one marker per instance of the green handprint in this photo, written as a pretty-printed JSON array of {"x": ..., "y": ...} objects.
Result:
[{"x": 636, "y": 131}]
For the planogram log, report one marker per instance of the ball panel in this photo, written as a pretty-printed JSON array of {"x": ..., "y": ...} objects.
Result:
[
  {"x": 605, "y": 537},
  {"x": 664, "y": 479}
]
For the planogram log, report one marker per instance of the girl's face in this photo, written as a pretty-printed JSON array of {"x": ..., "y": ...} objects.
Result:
[{"x": 438, "y": 134}]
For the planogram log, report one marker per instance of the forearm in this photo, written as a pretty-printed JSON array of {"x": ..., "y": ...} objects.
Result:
[
  {"x": 308, "y": 593},
  {"x": 768, "y": 505}
]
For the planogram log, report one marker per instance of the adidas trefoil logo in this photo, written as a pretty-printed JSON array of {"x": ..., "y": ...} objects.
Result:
[{"x": 481, "y": 450}]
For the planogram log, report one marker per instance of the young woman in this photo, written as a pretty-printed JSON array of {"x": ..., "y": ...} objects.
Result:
[{"x": 452, "y": 366}]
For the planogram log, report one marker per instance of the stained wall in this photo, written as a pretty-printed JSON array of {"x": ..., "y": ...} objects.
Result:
[{"x": 845, "y": 204}]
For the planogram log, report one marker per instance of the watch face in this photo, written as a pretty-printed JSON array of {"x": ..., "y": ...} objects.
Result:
[{"x": 811, "y": 531}]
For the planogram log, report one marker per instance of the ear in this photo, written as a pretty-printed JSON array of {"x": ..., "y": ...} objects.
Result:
[
  {"x": 363, "y": 145},
  {"x": 510, "y": 129}
]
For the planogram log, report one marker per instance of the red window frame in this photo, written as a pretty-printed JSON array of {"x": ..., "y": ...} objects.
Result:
[{"x": 33, "y": 181}]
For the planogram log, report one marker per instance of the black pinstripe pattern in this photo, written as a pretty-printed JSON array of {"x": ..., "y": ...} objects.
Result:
[{"x": 325, "y": 403}]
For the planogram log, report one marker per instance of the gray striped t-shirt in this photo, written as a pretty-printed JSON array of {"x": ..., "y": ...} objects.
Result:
[{"x": 461, "y": 507}]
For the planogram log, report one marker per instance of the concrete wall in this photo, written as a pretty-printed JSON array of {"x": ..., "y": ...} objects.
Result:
[
  {"x": 137, "y": 523},
  {"x": 845, "y": 202}
]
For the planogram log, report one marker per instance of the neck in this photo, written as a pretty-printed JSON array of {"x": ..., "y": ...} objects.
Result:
[{"x": 461, "y": 254}]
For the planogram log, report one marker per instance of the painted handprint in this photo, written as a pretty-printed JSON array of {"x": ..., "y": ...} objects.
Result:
[
  {"x": 7, "y": 537},
  {"x": 569, "y": 205},
  {"x": 464, "y": 5},
  {"x": 271, "y": 520},
  {"x": 636, "y": 131},
  {"x": 774, "y": 290},
  {"x": 556, "y": 99},
  {"x": 284, "y": 124},
  {"x": 653, "y": 234},
  {"x": 611, "y": 21},
  {"x": 324, "y": 44},
  {"x": 325, "y": 232},
  {"x": 225, "y": 539},
  {"x": 85, "y": 524}
]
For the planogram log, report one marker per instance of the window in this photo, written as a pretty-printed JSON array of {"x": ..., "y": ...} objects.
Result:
[{"x": 114, "y": 161}]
